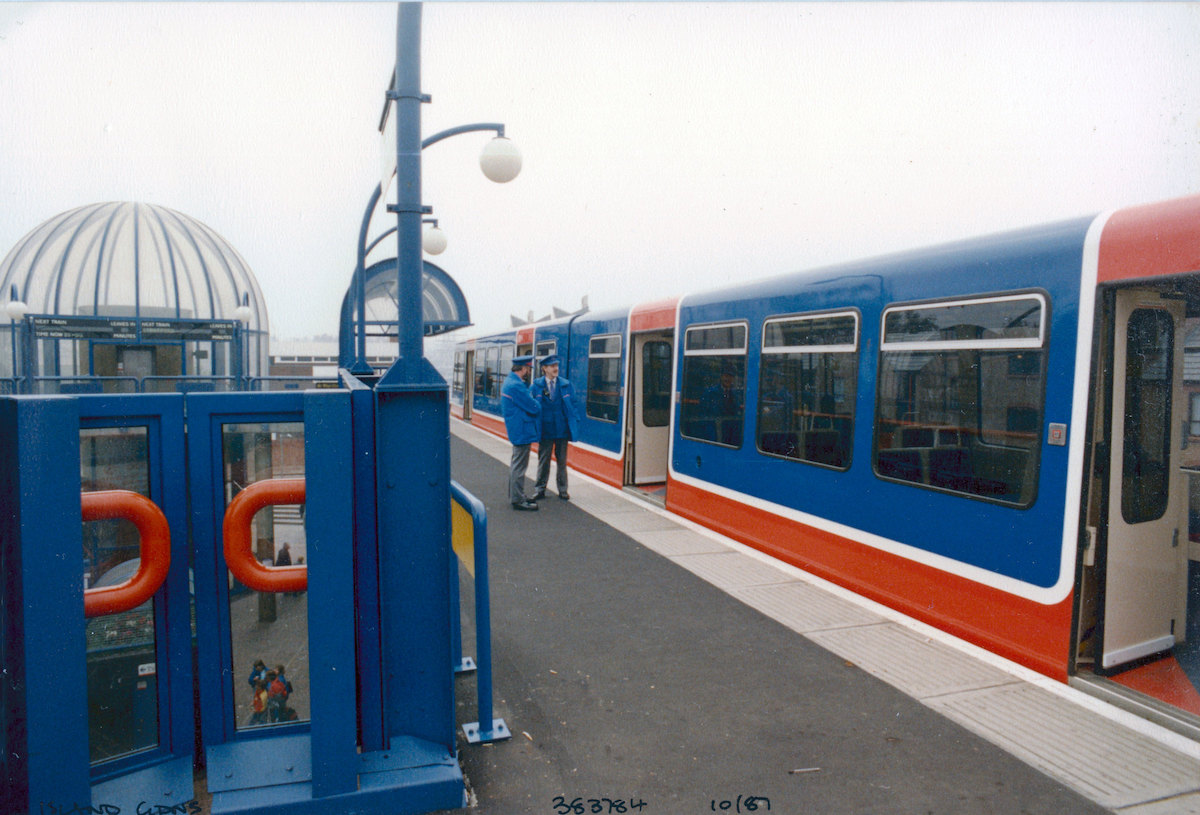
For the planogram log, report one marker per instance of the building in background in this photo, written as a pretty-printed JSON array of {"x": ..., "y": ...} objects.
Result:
[{"x": 126, "y": 297}]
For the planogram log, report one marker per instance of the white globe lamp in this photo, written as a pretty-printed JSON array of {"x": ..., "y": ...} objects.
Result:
[
  {"x": 434, "y": 241},
  {"x": 500, "y": 160}
]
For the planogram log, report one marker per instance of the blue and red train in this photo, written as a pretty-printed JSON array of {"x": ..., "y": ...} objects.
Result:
[{"x": 991, "y": 436}]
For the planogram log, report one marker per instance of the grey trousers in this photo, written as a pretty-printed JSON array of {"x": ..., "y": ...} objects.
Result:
[
  {"x": 545, "y": 448},
  {"x": 516, "y": 473}
]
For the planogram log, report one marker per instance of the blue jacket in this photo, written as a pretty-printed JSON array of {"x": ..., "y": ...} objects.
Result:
[
  {"x": 522, "y": 414},
  {"x": 560, "y": 415}
]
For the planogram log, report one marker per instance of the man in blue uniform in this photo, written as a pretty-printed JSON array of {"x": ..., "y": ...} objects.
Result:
[
  {"x": 559, "y": 424},
  {"x": 522, "y": 420}
]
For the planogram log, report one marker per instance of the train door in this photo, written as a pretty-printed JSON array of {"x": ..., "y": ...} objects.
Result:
[
  {"x": 650, "y": 408},
  {"x": 468, "y": 382},
  {"x": 1144, "y": 561}
]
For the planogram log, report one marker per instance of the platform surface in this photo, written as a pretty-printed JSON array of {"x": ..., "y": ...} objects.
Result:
[{"x": 641, "y": 659}]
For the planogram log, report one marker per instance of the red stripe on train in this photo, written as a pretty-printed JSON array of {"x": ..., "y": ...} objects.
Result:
[
  {"x": 653, "y": 316},
  {"x": 1158, "y": 239}
]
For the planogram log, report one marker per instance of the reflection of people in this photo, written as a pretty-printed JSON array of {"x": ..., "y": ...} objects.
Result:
[
  {"x": 284, "y": 558},
  {"x": 722, "y": 403},
  {"x": 559, "y": 421},
  {"x": 259, "y": 703},
  {"x": 259, "y": 671},
  {"x": 522, "y": 422},
  {"x": 278, "y": 692},
  {"x": 777, "y": 405},
  {"x": 279, "y": 675}
]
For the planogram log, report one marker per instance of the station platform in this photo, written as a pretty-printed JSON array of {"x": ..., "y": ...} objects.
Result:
[{"x": 647, "y": 665}]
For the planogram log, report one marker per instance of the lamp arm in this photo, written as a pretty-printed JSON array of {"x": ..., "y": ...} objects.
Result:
[{"x": 454, "y": 131}]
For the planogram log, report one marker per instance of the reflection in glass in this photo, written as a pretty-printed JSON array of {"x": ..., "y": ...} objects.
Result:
[
  {"x": 269, "y": 631},
  {"x": 122, "y": 668}
]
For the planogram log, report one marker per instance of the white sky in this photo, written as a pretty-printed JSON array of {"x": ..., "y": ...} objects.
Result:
[{"x": 668, "y": 147}]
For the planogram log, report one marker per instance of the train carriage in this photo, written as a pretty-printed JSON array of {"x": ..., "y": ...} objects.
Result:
[{"x": 990, "y": 436}]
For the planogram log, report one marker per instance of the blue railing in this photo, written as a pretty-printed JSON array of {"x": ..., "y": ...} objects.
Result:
[
  {"x": 486, "y": 729},
  {"x": 292, "y": 383},
  {"x": 75, "y": 385}
]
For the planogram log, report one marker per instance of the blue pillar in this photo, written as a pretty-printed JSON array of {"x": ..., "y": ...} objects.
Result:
[
  {"x": 45, "y": 716},
  {"x": 413, "y": 461}
]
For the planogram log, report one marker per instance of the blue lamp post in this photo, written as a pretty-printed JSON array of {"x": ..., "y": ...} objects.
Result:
[
  {"x": 500, "y": 161},
  {"x": 412, "y": 449}
]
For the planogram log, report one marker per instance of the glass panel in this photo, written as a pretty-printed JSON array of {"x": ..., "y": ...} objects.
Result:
[
  {"x": 269, "y": 631},
  {"x": 547, "y": 347},
  {"x": 1147, "y": 454},
  {"x": 966, "y": 421},
  {"x": 604, "y": 388},
  {"x": 713, "y": 399},
  {"x": 457, "y": 379},
  {"x": 656, "y": 383},
  {"x": 503, "y": 368},
  {"x": 835, "y": 329},
  {"x": 604, "y": 345},
  {"x": 716, "y": 338},
  {"x": 806, "y": 406},
  {"x": 1004, "y": 319},
  {"x": 480, "y": 373},
  {"x": 122, "y": 665}
]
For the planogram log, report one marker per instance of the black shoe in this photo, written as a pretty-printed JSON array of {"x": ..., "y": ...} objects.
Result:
[
  {"x": 563, "y": 495},
  {"x": 526, "y": 506},
  {"x": 538, "y": 496}
]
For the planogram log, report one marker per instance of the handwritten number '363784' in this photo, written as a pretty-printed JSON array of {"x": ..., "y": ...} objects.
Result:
[{"x": 579, "y": 806}]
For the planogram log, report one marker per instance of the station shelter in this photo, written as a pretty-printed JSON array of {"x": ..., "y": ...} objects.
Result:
[{"x": 129, "y": 298}]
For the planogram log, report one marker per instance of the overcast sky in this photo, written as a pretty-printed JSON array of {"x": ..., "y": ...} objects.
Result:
[{"x": 668, "y": 147}]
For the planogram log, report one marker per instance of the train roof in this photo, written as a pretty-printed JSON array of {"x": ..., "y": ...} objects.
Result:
[{"x": 861, "y": 278}]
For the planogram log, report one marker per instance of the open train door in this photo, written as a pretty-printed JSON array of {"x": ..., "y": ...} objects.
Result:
[
  {"x": 1145, "y": 567},
  {"x": 650, "y": 408}
]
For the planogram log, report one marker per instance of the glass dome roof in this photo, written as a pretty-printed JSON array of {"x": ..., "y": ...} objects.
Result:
[{"x": 130, "y": 259}]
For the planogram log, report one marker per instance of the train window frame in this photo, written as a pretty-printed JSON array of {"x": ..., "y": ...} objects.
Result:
[
  {"x": 1027, "y": 487},
  {"x": 767, "y": 350},
  {"x": 603, "y": 356},
  {"x": 741, "y": 352},
  {"x": 545, "y": 348}
]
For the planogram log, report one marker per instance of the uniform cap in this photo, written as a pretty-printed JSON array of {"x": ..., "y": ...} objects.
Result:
[{"x": 551, "y": 360}]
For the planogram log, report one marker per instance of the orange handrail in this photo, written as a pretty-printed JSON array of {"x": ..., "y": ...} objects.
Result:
[
  {"x": 236, "y": 530},
  {"x": 155, "y": 550}
]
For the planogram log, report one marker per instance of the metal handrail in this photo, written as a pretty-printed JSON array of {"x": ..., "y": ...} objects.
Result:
[
  {"x": 486, "y": 729},
  {"x": 236, "y": 531},
  {"x": 154, "y": 550}
]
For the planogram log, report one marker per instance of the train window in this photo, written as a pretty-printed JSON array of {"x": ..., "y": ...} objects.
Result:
[
  {"x": 504, "y": 367},
  {"x": 1148, "y": 404},
  {"x": 604, "y": 378},
  {"x": 807, "y": 387},
  {"x": 960, "y": 396},
  {"x": 656, "y": 383},
  {"x": 546, "y": 347},
  {"x": 481, "y": 373},
  {"x": 713, "y": 402},
  {"x": 457, "y": 381}
]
